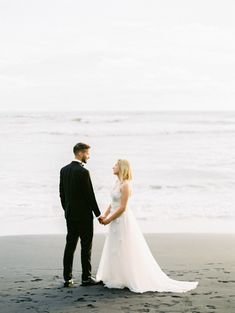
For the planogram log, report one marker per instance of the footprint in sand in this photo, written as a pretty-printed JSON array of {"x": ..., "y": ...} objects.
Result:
[
  {"x": 50, "y": 296},
  {"x": 26, "y": 299},
  {"x": 211, "y": 277},
  {"x": 175, "y": 302},
  {"x": 65, "y": 297},
  {"x": 167, "y": 304},
  {"x": 216, "y": 297},
  {"x": 173, "y": 296},
  {"x": 36, "y": 279},
  {"x": 91, "y": 306},
  {"x": 80, "y": 299}
]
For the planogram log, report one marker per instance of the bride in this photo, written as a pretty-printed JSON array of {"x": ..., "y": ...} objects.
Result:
[{"x": 126, "y": 259}]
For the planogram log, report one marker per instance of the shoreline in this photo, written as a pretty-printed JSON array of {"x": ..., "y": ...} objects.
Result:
[{"x": 162, "y": 226}]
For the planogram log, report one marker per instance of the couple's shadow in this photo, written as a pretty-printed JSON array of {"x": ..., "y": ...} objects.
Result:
[
  {"x": 98, "y": 298},
  {"x": 45, "y": 297},
  {"x": 49, "y": 298}
]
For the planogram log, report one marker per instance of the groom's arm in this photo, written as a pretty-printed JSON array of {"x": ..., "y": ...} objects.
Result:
[
  {"x": 89, "y": 192},
  {"x": 61, "y": 191}
]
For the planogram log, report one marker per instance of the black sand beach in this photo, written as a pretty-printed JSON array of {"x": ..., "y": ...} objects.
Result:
[{"x": 31, "y": 276}]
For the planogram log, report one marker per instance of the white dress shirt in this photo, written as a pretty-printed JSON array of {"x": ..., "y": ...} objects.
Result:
[{"x": 79, "y": 161}]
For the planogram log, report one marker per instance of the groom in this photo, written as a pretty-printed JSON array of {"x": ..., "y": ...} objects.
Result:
[{"x": 79, "y": 203}]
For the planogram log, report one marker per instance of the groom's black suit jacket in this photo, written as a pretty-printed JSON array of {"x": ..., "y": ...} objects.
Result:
[{"x": 77, "y": 194}]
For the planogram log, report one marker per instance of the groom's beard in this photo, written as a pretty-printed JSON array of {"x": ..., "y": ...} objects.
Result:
[{"x": 84, "y": 160}]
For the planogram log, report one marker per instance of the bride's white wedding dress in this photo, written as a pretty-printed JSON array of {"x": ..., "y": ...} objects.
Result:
[{"x": 126, "y": 260}]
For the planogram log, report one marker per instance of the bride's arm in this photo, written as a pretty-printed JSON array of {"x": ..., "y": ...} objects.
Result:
[
  {"x": 125, "y": 192},
  {"x": 107, "y": 212}
]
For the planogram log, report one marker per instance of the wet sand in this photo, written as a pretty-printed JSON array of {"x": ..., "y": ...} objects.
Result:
[{"x": 31, "y": 276}]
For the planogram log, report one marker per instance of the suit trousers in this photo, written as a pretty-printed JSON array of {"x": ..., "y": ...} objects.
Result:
[{"x": 84, "y": 231}]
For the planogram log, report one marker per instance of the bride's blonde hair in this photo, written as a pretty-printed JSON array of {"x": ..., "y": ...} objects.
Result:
[{"x": 125, "y": 172}]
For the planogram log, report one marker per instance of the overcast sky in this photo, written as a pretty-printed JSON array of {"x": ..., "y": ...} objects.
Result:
[{"x": 125, "y": 54}]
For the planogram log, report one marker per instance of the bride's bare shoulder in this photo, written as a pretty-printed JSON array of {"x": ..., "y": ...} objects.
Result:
[{"x": 125, "y": 185}]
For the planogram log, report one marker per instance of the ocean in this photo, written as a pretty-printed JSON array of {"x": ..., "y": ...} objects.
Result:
[{"x": 183, "y": 166}]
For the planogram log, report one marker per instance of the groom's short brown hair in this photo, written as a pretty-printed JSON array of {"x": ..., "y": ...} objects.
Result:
[{"x": 80, "y": 147}]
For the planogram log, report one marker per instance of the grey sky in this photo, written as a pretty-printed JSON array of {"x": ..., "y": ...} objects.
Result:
[{"x": 159, "y": 55}]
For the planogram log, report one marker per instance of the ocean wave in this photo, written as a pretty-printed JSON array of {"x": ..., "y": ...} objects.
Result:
[
  {"x": 77, "y": 119},
  {"x": 203, "y": 131},
  {"x": 54, "y": 133},
  {"x": 114, "y": 121},
  {"x": 100, "y": 121},
  {"x": 132, "y": 133},
  {"x": 209, "y": 122},
  {"x": 158, "y": 187}
]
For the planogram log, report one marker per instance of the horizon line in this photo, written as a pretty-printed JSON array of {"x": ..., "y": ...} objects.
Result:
[{"x": 117, "y": 110}]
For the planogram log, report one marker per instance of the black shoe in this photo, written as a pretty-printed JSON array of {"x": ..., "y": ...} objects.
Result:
[
  {"x": 68, "y": 283},
  {"x": 91, "y": 281}
]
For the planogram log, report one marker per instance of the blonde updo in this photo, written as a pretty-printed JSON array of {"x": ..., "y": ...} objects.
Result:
[{"x": 125, "y": 172}]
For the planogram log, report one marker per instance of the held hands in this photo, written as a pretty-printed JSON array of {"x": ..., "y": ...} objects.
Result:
[
  {"x": 106, "y": 221},
  {"x": 103, "y": 220},
  {"x": 100, "y": 219}
]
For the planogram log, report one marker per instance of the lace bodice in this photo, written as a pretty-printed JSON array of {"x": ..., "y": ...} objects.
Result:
[{"x": 115, "y": 196}]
